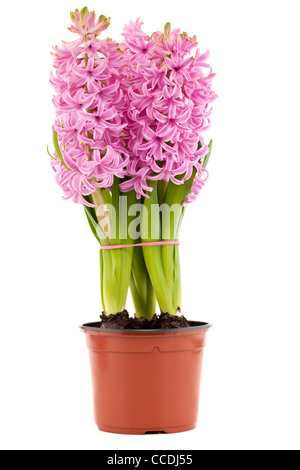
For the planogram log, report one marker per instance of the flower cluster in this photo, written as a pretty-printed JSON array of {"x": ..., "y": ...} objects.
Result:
[
  {"x": 135, "y": 110},
  {"x": 169, "y": 104},
  {"x": 89, "y": 106}
]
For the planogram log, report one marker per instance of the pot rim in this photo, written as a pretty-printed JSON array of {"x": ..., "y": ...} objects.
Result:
[{"x": 195, "y": 326}]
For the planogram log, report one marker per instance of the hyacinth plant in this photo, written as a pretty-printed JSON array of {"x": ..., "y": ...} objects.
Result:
[{"x": 128, "y": 141}]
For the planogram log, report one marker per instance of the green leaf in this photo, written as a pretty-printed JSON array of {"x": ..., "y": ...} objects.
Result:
[
  {"x": 50, "y": 153},
  {"x": 93, "y": 223},
  {"x": 207, "y": 157},
  {"x": 107, "y": 196},
  {"x": 153, "y": 254},
  {"x": 57, "y": 149}
]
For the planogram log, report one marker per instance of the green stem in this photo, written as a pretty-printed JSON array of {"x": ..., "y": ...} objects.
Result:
[
  {"x": 109, "y": 284},
  {"x": 153, "y": 255},
  {"x": 138, "y": 305},
  {"x": 101, "y": 283},
  {"x": 116, "y": 264},
  {"x": 151, "y": 272},
  {"x": 142, "y": 291},
  {"x": 177, "y": 290},
  {"x": 176, "y": 195},
  {"x": 161, "y": 190}
]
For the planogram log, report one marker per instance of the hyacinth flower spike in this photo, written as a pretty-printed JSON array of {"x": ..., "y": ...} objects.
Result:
[{"x": 129, "y": 129}]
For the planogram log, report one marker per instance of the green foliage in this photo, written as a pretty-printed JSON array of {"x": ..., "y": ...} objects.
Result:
[{"x": 152, "y": 272}]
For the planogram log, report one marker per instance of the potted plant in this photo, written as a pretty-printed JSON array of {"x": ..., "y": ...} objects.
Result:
[{"x": 129, "y": 147}]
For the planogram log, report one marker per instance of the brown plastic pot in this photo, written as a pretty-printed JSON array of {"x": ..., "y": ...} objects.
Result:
[{"x": 146, "y": 381}]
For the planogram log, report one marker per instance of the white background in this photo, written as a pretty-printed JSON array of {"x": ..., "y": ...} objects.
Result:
[{"x": 240, "y": 241}]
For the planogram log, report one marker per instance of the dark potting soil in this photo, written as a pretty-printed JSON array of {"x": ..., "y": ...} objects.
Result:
[
  {"x": 115, "y": 322},
  {"x": 167, "y": 321},
  {"x": 122, "y": 321}
]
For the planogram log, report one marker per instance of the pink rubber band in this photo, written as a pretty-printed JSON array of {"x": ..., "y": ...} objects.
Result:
[{"x": 115, "y": 247}]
